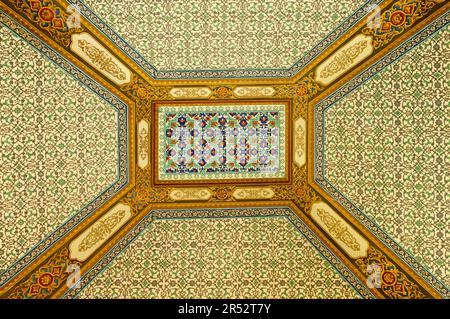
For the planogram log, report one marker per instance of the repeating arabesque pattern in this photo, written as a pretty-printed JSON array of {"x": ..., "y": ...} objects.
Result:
[
  {"x": 58, "y": 147},
  {"x": 221, "y": 34},
  {"x": 220, "y": 258},
  {"x": 386, "y": 146}
]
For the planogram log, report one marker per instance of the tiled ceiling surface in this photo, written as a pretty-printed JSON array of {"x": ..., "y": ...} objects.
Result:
[
  {"x": 386, "y": 146},
  {"x": 59, "y": 147}
]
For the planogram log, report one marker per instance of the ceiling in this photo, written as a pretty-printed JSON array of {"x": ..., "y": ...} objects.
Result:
[
  {"x": 199, "y": 258},
  {"x": 385, "y": 149},
  {"x": 224, "y": 149},
  {"x": 217, "y": 35},
  {"x": 59, "y": 140}
]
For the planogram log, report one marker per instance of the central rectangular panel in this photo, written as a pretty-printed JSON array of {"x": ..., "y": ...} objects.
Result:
[{"x": 221, "y": 141}]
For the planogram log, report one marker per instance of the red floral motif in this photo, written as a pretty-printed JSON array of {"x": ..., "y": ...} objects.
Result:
[
  {"x": 300, "y": 192},
  {"x": 398, "y": 18},
  {"x": 45, "y": 280},
  {"x": 222, "y": 194},
  {"x": 302, "y": 90},
  {"x": 46, "y": 14},
  {"x": 409, "y": 9},
  {"x": 223, "y": 91},
  {"x": 58, "y": 23},
  {"x": 35, "y": 5}
]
